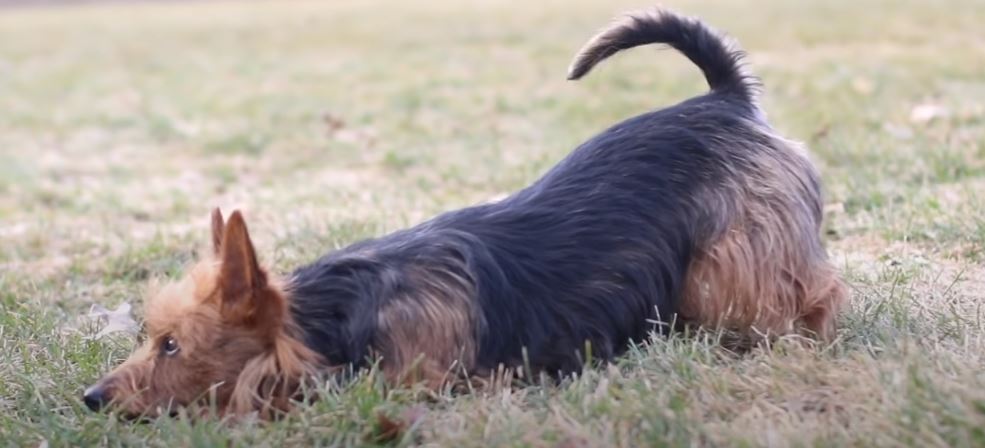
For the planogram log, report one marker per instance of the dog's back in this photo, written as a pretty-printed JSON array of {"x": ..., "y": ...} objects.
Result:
[{"x": 697, "y": 211}]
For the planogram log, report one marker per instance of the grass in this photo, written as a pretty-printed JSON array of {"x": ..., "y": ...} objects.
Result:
[{"x": 122, "y": 125}]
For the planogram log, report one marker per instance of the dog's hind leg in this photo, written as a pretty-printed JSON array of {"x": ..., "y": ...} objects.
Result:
[
  {"x": 746, "y": 284},
  {"x": 826, "y": 294}
]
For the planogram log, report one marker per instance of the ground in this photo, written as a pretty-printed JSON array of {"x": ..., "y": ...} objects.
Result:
[{"x": 122, "y": 125}]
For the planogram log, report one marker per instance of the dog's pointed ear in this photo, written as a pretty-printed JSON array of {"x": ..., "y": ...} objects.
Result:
[
  {"x": 240, "y": 278},
  {"x": 218, "y": 226}
]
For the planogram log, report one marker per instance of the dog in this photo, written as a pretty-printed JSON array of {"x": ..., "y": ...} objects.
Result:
[{"x": 698, "y": 213}]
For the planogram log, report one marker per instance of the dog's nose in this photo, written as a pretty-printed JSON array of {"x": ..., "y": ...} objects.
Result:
[{"x": 95, "y": 397}]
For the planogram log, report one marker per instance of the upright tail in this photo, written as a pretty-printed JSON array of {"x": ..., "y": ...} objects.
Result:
[{"x": 722, "y": 65}]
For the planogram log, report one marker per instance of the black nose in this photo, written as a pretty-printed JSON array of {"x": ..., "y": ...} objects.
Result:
[{"x": 95, "y": 397}]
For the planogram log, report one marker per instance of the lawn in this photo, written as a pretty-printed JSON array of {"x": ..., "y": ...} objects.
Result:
[{"x": 122, "y": 125}]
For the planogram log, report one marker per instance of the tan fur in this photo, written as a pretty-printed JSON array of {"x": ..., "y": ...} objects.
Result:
[
  {"x": 766, "y": 272},
  {"x": 425, "y": 336},
  {"x": 268, "y": 382},
  {"x": 238, "y": 348},
  {"x": 237, "y": 351},
  {"x": 739, "y": 284}
]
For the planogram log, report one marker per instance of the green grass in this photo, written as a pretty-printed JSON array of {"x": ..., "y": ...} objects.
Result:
[{"x": 122, "y": 125}]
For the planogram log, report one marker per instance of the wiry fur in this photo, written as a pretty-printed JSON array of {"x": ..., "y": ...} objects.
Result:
[
  {"x": 238, "y": 348},
  {"x": 717, "y": 59},
  {"x": 698, "y": 212},
  {"x": 761, "y": 266}
]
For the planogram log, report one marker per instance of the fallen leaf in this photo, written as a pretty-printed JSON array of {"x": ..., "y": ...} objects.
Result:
[
  {"x": 333, "y": 122},
  {"x": 820, "y": 133},
  {"x": 390, "y": 429},
  {"x": 113, "y": 321}
]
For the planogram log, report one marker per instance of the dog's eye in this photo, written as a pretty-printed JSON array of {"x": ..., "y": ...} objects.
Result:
[{"x": 169, "y": 346}]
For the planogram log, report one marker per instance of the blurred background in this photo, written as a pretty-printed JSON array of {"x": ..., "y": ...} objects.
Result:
[{"x": 123, "y": 120}]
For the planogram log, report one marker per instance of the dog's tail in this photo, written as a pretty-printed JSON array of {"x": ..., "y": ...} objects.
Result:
[{"x": 721, "y": 63}]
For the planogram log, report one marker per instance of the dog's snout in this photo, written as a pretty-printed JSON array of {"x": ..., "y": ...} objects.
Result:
[{"x": 96, "y": 397}]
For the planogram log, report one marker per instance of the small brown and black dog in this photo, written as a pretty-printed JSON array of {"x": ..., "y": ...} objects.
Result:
[{"x": 698, "y": 213}]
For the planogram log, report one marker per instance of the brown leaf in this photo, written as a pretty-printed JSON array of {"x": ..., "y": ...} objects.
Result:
[
  {"x": 390, "y": 429},
  {"x": 333, "y": 122}
]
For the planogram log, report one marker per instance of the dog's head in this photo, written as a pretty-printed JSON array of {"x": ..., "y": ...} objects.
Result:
[{"x": 218, "y": 334}]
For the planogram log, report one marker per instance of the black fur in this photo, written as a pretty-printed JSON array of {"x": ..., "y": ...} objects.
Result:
[
  {"x": 596, "y": 250},
  {"x": 721, "y": 65}
]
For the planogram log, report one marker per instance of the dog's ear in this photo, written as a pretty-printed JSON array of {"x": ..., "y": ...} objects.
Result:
[
  {"x": 241, "y": 281},
  {"x": 218, "y": 225}
]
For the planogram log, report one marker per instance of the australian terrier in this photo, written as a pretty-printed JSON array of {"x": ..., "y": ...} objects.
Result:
[{"x": 697, "y": 213}]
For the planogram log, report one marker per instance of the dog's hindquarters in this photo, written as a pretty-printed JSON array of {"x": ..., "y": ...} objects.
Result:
[
  {"x": 763, "y": 268},
  {"x": 758, "y": 263}
]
